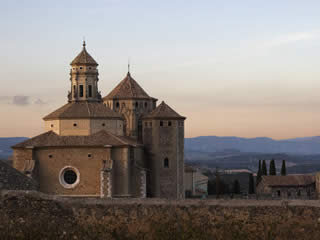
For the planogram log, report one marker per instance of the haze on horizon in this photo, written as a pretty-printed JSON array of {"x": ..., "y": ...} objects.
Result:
[{"x": 233, "y": 68}]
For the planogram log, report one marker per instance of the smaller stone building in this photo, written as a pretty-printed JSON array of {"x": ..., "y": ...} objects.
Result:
[
  {"x": 287, "y": 187},
  {"x": 195, "y": 183}
]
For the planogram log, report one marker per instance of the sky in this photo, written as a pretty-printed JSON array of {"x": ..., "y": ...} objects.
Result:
[{"x": 234, "y": 68}]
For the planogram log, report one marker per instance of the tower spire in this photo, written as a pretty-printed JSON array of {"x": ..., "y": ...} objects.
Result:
[
  {"x": 84, "y": 43},
  {"x": 128, "y": 65}
]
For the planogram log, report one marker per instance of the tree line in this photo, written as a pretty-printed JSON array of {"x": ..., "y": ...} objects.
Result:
[{"x": 262, "y": 169}]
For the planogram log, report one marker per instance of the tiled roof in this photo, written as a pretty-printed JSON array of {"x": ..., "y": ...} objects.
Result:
[
  {"x": 84, "y": 58},
  {"x": 83, "y": 109},
  {"x": 163, "y": 111},
  {"x": 290, "y": 180},
  {"x": 188, "y": 168},
  {"x": 101, "y": 138},
  {"x": 128, "y": 88}
]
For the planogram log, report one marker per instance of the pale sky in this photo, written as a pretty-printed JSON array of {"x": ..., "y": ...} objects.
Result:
[{"x": 233, "y": 68}]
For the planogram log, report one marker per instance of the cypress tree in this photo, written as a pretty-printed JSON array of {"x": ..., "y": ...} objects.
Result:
[
  {"x": 264, "y": 168},
  {"x": 272, "y": 168},
  {"x": 259, "y": 173},
  {"x": 283, "y": 168},
  {"x": 251, "y": 184},
  {"x": 218, "y": 183},
  {"x": 236, "y": 187}
]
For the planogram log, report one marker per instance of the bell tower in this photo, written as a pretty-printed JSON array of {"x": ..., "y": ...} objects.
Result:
[{"x": 84, "y": 78}]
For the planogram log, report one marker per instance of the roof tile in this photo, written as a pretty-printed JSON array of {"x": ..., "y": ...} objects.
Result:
[
  {"x": 83, "y": 109},
  {"x": 84, "y": 58},
  {"x": 128, "y": 88},
  {"x": 101, "y": 138},
  {"x": 163, "y": 111},
  {"x": 290, "y": 180}
]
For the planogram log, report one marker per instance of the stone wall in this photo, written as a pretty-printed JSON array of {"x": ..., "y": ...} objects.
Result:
[
  {"x": 46, "y": 217},
  {"x": 11, "y": 179}
]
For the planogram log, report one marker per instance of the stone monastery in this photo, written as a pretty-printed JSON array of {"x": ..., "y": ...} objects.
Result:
[{"x": 122, "y": 145}]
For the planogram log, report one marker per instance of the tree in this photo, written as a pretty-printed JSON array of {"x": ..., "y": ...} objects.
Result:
[
  {"x": 218, "y": 183},
  {"x": 264, "y": 168},
  {"x": 272, "y": 168},
  {"x": 211, "y": 187},
  {"x": 259, "y": 173},
  {"x": 236, "y": 187},
  {"x": 283, "y": 168},
  {"x": 251, "y": 184}
]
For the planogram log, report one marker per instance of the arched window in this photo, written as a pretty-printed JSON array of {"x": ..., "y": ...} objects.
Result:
[{"x": 166, "y": 163}]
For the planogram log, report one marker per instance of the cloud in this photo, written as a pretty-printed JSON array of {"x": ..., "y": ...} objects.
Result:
[
  {"x": 21, "y": 100},
  {"x": 291, "y": 37},
  {"x": 39, "y": 102}
]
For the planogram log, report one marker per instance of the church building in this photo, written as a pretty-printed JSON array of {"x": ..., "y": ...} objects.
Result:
[{"x": 121, "y": 145}]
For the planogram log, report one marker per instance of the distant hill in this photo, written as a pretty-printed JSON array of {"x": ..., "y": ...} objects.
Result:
[
  {"x": 308, "y": 145},
  {"x": 5, "y": 145}
]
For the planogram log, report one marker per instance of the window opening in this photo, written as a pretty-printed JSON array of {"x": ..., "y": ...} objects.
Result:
[
  {"x": 166, "y": 163},
  {"x": 81, "y": 90},
  {"x": 70, "y": 177},
  {"x": 90, "y": 90}
]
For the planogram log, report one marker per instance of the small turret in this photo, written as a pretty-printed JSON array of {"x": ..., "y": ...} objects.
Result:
[{"x": 84, "y": 78}]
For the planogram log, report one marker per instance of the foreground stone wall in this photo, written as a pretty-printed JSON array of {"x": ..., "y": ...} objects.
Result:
[{"x": 34, "y": 216}]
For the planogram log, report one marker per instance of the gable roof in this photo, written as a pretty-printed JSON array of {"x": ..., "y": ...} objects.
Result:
[
  {"x": 84, "y": 58},
  {"x": 12, "y": 179},
  {"x": 289, "y": 180},
  {"x": 163, "y": 111},
  {"x": 128, "y": 88},
  {"x": 101, "y": 138},
  {"x": 83, "y": 109}
]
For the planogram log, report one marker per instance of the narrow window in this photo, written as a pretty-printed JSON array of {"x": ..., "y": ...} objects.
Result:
[
  {"x": 146, "y": 124},
  {"x": 161, "y": 123},
  {"x": 299, "y": 193},
  {"x": 117, "y": 104},
  {"x": 89, "y": 67},
  {"x": 80, "y": 67},
  {"x": 50, "y": 156},
  {"x": 89, "y": 155},
  {"x": 137, "y": 104},
  {"x": 166, "y": 163},
  {"x": 169, "y": 123},
  {"x": 279, "y": 193},
  {"x": 103, "y": 124},
  {"x": 81, "y": 90},
  {"x": 289, "y": 194},
  {"x": 52, "y": 125},
  {"x": 90, "y": 90},
  {"x": 74, "y": 124},
  {"x": 150, "y": 124},
  {"x": 145, "y": 104}
]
